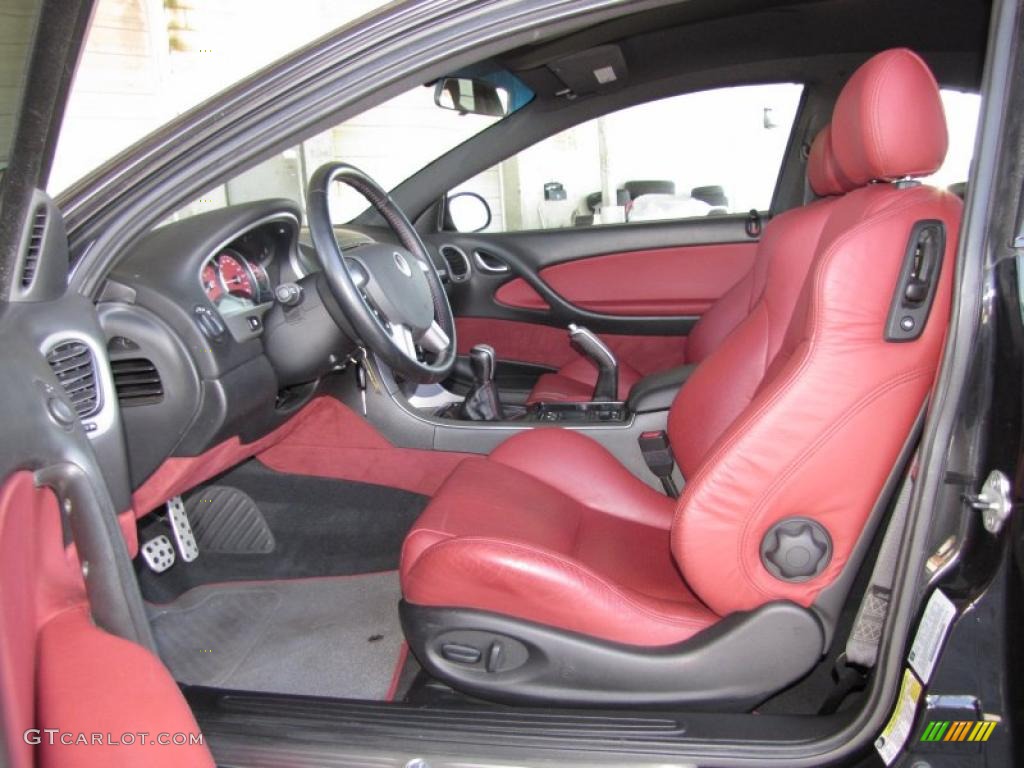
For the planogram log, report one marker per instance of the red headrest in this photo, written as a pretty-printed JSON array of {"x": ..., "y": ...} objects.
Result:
[
  {"x": 822, "y": 171},
  {"x": 888, "y": 122}
]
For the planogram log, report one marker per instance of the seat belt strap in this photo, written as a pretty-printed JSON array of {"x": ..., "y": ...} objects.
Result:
[
  {"x": 861, "y": 652},
  {"x": 866, "y": 635},
  {"x": 659, "y": 458}
]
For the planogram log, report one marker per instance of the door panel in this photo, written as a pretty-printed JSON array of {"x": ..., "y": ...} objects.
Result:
[
  {"x": 662, "y": 282},
  {"x": 641, "y": 286},
  {"x": 548, "y": 346}
]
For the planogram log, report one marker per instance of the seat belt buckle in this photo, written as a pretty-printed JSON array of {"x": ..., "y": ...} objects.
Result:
[{"x": 659, "y": 458}]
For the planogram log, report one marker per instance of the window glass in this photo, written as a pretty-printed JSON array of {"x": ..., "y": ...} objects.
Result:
[
  {"x": 699, "y": 154},
  {"x": 18, "y": 23},
  {"x": 146, "y": 61},
  {"x": 389, "y": 142},
  {"x": 962, "y": 110}
]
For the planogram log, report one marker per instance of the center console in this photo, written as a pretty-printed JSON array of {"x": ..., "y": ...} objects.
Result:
[
  {"x": 602, "y": 412},
  {"x": 575, "y": 413}
]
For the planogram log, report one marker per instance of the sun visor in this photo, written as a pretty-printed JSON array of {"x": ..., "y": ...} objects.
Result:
[{"x": 595, "y": 70}]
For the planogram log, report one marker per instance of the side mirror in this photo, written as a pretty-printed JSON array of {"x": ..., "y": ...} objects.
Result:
[
  {"x": 468, "y": 212},
  {"x": 471, "y": 97}
]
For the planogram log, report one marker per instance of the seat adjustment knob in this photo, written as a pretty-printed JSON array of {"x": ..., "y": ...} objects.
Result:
[
  {"x": 493, "y": 657},
  {"x": 796, "y": 549},
  {"x": 461, "y": 654}
]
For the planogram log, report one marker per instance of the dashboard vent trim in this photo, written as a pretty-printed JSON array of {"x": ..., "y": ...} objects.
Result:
[
  {"x": 459, "y": 269},
  {"x": 136, "y": 381},
  {"x": 30, "y": 264},
  {"x": 74, "y": 366}
]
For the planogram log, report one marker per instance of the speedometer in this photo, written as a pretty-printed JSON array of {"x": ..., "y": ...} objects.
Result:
[{"x": 234, "y": 277}]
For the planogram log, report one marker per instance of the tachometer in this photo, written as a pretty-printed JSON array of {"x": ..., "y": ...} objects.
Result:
[
  {"x": 234, "y": 277},
  {"x": 211, "y": 283}
]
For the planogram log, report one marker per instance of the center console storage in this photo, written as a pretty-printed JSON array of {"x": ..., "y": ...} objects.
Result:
[
  {"x": 611, "y": 412},
  {"x": 554, "y": 413}
]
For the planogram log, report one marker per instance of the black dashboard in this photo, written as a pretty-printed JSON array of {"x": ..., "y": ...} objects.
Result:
[{"x": 193, "y": 324}]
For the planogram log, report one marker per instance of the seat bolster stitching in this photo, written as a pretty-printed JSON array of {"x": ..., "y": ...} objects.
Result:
[
  {"x": 582, "y": 571},
  {"x": 905, "y": 378},
  {"x": 738, "y": 429},
  {"x": 444, "y": 535}
]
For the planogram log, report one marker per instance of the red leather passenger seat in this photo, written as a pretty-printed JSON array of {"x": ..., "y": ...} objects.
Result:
[
  {"x": 575, "y": 381},
  {"x": 786, "y": 434}
]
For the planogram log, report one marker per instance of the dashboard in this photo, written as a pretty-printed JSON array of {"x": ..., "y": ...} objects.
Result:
[
  {"x": 193, "y": 305},
  {"x": 220, "y": 327}
]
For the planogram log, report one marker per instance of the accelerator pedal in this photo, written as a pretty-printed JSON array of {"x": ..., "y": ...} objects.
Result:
[
  {"x": 182, "y": 530},
  {"x": 227, "y": 521}
]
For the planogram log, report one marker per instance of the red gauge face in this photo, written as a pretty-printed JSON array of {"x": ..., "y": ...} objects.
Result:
[
  {"x": 234, "y": 277},
  {"x": 211, "y": 284}
]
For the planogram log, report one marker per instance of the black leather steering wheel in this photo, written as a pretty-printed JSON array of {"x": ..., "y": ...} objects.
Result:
[{"x": 391, "y": 295}]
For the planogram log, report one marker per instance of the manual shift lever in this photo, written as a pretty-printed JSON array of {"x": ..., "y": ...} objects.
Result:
[
  {"x": 482, "y": 402},
  {"x": 587, "y": 342}
]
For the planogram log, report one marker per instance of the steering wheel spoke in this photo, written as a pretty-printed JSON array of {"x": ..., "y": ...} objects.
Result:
[
  {"x": 404, "y": 340},
  {"x": 434, "y": 339}
]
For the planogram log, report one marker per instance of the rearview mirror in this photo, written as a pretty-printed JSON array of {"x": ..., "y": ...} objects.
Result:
[{"x": 471, "y": 97}]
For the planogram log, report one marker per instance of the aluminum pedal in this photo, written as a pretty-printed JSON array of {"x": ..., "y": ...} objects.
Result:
[
  {"x": 182, "y": 530},
  {"x": 158, "y": 553}
]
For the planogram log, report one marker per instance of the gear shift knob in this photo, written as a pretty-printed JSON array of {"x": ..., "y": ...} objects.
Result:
[
  {"x": 482, "y": 362},
  {"x": 482, "y": 402}
]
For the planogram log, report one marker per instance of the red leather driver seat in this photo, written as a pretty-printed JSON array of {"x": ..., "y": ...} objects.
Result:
[{"x": 547, "y": 571}]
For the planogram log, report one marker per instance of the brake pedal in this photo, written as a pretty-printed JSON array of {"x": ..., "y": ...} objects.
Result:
[
  {"x": 182, "y": 530},
  {"x": 158, "y": 553}
]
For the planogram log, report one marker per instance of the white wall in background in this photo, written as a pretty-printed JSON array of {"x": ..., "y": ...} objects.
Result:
[{"x": 146, "y": 61}]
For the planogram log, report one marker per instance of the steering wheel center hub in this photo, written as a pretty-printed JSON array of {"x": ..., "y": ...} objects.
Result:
[{"x": 396, "y": 284}]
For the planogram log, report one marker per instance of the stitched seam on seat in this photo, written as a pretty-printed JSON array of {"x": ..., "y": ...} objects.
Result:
[
  {"x": 738, "y": 430},
  {"x": 769, "y": 493},
  {"x": 585, "y": 573},
  {"x": 405, "y": 544}
]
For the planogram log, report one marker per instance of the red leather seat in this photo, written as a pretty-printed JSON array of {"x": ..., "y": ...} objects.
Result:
[
  {"x": 795, "y": 419},
  {"x": 575, "y": 381}
]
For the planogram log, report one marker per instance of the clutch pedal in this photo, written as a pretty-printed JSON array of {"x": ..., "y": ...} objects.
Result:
[
  {"x": 158, "y": 553},
  {"x": 182, "y": 530}
]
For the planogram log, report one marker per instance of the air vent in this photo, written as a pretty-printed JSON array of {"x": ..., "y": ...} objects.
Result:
[
  {"x": 74, "y": 366},
  {"x": 137, "y": 382},
  {"x": 35, "y": 248},
  {"x": 458, "y": 263}
]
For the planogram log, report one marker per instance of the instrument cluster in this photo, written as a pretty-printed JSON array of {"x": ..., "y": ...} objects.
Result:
[{"x": 235, "y": 283}]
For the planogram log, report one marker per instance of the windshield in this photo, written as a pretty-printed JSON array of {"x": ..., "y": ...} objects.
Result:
[
  {"x": 17, "y": 27},
  {"x": 390, "y": 142}
]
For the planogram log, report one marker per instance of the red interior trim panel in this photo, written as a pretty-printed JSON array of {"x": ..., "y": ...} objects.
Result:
[
  {"x": 665, "y": 282},
  {"x": 549, "y": 345}
]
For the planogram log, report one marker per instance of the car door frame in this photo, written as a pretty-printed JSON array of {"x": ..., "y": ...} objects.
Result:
[{"x": 851, "y": 739}]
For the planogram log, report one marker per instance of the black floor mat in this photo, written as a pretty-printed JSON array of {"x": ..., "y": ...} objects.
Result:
[{"x": 320, "y": 527}]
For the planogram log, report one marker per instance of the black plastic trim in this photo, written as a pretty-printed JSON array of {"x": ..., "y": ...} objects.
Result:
[
  {"x": 921, "y": 269},
  {"x": 658, "y": 391},
  {"x": 527, "y": 253},
  {"x": 734, "y": 664}
]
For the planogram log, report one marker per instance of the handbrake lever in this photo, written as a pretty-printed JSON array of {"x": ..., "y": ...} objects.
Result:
[{"x": 587, "y": 343}]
